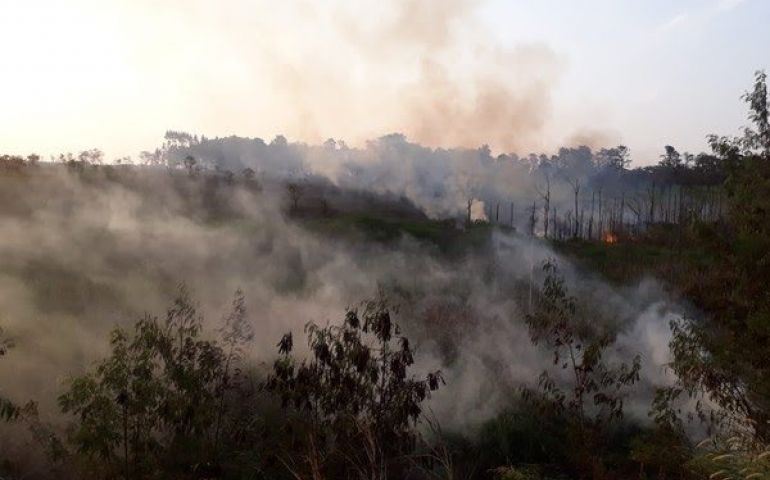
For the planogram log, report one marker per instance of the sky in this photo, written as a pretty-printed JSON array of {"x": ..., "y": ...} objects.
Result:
[{"x": 519, "y": 75}]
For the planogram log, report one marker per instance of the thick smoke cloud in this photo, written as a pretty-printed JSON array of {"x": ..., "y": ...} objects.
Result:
[
  {"x": 310, "y": 70},
  {"x": 84, "y": 252},
  {"x": 462, "y": 90},
  {"x": 427, "y": 69}
]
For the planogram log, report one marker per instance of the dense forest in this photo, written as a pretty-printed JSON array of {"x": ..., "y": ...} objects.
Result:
[{"x": 231, "y": 308}]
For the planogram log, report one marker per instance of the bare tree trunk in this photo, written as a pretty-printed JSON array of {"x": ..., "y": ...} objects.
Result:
[
  {"x": 652, "y": 203},
  {"x": 554, "y": 222},
  {"x": 531, "y": 263},
  {"x": 676, "y": 208},
  {"x": 591, "y": 219},
  {"x": 546, "y": 196},
  {"x": 601, "y": 222},
  {"x": 709, "y": 203},
  {"x": 533, "y": 220},
  {"x": 613, "y": 207},
  {"x": 468, "y": 219},
  {"x": 719, "y": 205},
  {"x": 622, "y": 211},
  {"x": 576, "y": 189}
]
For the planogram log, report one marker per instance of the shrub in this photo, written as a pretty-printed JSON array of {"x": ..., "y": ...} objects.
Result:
[
  {"x": 156, "y": 404},
  {"x": 354, "y": 396}
]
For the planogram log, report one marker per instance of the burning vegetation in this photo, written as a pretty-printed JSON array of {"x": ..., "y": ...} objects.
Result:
[
  {"x": 609, "y": 238},
  {"x": 481, "y": 353}
]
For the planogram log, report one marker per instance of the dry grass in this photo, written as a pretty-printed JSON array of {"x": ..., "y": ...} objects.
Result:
[{"x": 734, "y": 458}]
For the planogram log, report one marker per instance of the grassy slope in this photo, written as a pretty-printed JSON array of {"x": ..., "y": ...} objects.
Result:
[
  {"x": 441, "y": 234},
  {"x": 628, "y": 260},
  {"x": 694, "y": 263},
  {"x": 691, "y": 261}
]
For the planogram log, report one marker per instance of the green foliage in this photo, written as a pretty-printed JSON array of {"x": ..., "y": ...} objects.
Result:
[
  {"x": 8, "y": 410},
  {"x": 169, "y": 403},
  {"x": 155, "y": 404},
  {"x": 354, "y": 395},
  {"x": 523, "y": 434},
  {"x": 758, "y": 139},
  {"x": 577, "y": 347},
  {"x": 684, "y": 258},
  {"x": 661, "y": 452},
  {"x": 724, "y": 356},
  {"x": 595, "y": 392},
  {"x": 441, "y": 234}
]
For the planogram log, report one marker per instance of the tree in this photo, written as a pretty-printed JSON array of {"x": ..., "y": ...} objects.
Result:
[
  {"x": 91, "y": 157},
  {"x": 155, "y": 404},
  {"x": 615, "y": 158},
  {"x": 578, "y": 347},
  {"x": 532, "y": 219},
  {"x": 176, "y": 139},
  {"x": 11, "y": 162},
  {"x": 574, "y": 182},
  {"x": 279, "y": 141},
  {"x": 236, "y": 332},
  {"x": 723, "y": 355},
  {"x": 671, "y": 159},
  {"x": 33, "y": 160},
  {"x": 468, "y": 212},
  {"x": 651, "y": 196},
  {"x": 295, "y": 192},
  {"x": 577, "y": 161},
  {"x": 355, "y": 390},
  {"x": 545, "y": 193},
  {"x": 189, "y": 163},
  {"x": 758, "y": 139},
  {"x": 152, "y": 158}
]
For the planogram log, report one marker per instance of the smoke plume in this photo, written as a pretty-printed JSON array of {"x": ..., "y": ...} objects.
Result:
[{"x": 85, "y": 252}]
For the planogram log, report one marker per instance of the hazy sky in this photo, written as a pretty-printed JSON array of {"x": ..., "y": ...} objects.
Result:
[{"x": 519, "y": 75}]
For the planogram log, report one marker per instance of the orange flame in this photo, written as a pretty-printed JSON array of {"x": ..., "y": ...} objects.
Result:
[{"x": 610, "y": 238}]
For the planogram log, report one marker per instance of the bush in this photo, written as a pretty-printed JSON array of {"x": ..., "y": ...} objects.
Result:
[
  {"x": 356, "y": 403},
  {"x": 157, "y": 404}
]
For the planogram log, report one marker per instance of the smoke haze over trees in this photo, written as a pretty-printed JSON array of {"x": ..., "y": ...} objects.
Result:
[{"x": 456, "y": 250}]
